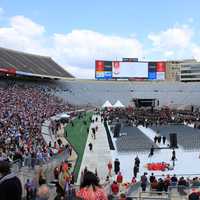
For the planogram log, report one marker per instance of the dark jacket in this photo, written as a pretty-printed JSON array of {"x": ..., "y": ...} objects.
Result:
[
  {"x": 193, "y": 196},
  {"x": 116, "y": 166},
  {"x": 10, "y": 187}
]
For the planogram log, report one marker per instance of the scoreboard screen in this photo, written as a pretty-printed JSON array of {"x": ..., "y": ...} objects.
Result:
[
  {"x": 106, "y": 70},
  {"x": 130, "y": 70}
]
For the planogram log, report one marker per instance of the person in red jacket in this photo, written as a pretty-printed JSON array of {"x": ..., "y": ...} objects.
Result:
[
  {"x": 119, "y": 178},
  {"x": 115, "y": 188}
]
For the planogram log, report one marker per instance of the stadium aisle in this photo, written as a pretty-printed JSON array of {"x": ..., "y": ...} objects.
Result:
[{"x": 99, "y": 157}]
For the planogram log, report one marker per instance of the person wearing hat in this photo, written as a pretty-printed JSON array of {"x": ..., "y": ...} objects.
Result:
[{"x": 10, "y": 185}]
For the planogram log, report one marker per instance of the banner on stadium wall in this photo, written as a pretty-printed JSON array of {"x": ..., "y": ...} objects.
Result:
[
  {"x": 9, "y": 70},
  {"x": 24, "y": 73}
]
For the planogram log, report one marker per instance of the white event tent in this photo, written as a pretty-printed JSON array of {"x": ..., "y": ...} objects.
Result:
[
  {"x": 118, "y": 104},
  {"x": 107, "y": 104}
]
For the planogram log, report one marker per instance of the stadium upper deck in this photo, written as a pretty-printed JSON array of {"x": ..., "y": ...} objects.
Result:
[
  {"x": 171, "y": 94},
  {"x": 20, "y": 63}
]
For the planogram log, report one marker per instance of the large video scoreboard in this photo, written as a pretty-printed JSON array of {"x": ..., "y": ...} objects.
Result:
[{"x": 106, "y": 70}]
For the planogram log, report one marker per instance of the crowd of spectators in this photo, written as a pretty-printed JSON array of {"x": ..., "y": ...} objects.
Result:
[
  {"x": 23, "y": 110},
  {"x": 149, "y": 117},
  {"x": 90, "y": 187},
  {"x": 182, "y": 184}
]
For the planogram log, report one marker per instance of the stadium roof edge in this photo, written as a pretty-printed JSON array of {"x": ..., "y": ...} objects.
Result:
[
  {"x": 27, "y": 64},
  {"x": 22, "y": 52}
]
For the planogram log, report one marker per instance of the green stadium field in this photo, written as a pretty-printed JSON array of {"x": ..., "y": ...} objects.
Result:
[{"x": 77, "y": 136}]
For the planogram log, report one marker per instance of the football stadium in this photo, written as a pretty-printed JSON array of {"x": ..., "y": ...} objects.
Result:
[
  {"x": 130, "y": 132},
  {"x": 55, "y": 128}
]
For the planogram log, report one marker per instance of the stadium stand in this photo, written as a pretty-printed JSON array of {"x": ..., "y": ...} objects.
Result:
[
  {"x": 23, "y": 110},
  {"x": 25, "y": 63},
  {"x": 171, "y": 94}
]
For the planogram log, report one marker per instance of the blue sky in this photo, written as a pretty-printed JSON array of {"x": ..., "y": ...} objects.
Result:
[
  {"x": 89, "y": 30},
  {"x": 107, "y": 16}
]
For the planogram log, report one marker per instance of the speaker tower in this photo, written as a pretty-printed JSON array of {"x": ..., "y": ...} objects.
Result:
[{"x": 173, "y": 140}]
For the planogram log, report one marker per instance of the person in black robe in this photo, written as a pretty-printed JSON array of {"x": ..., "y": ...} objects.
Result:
[{"x": 116, "y": 166}]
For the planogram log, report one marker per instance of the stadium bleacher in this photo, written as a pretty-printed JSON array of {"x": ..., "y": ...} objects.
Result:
[
  {"x": 29, "y": 63},
  {"x": 171, "y": 94}
]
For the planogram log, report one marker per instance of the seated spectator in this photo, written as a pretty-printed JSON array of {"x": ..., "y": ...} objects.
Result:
[
  {"x": 90, "y": 188},
  {"x": 10, "y": 185}
]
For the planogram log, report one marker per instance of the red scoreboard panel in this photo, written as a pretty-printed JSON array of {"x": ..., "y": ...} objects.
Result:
[
  {"x": 161, "y": 67},
  {"x": 99, "y": 65}
]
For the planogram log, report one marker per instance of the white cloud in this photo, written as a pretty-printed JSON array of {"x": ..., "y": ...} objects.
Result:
[
  {"x": 76, "y": 50},
  {"x": 173, "y": 42},
  {"x": 23, "y": 34},
  {"x": 196, "y": 52},
  {"x": 85, "y": 73},
  {"x": 168, "y": 53},
  {"x": 177, "y": 37},
  {"x": 85, "y": 46},
  {"x": 25, "y": 26}
]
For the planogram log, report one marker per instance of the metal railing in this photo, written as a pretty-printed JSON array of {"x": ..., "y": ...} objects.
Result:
[
  {"x": 180, "y": 191},
  {"x": 146, "y": 196},
  {"x": 48, "y": 166}
]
